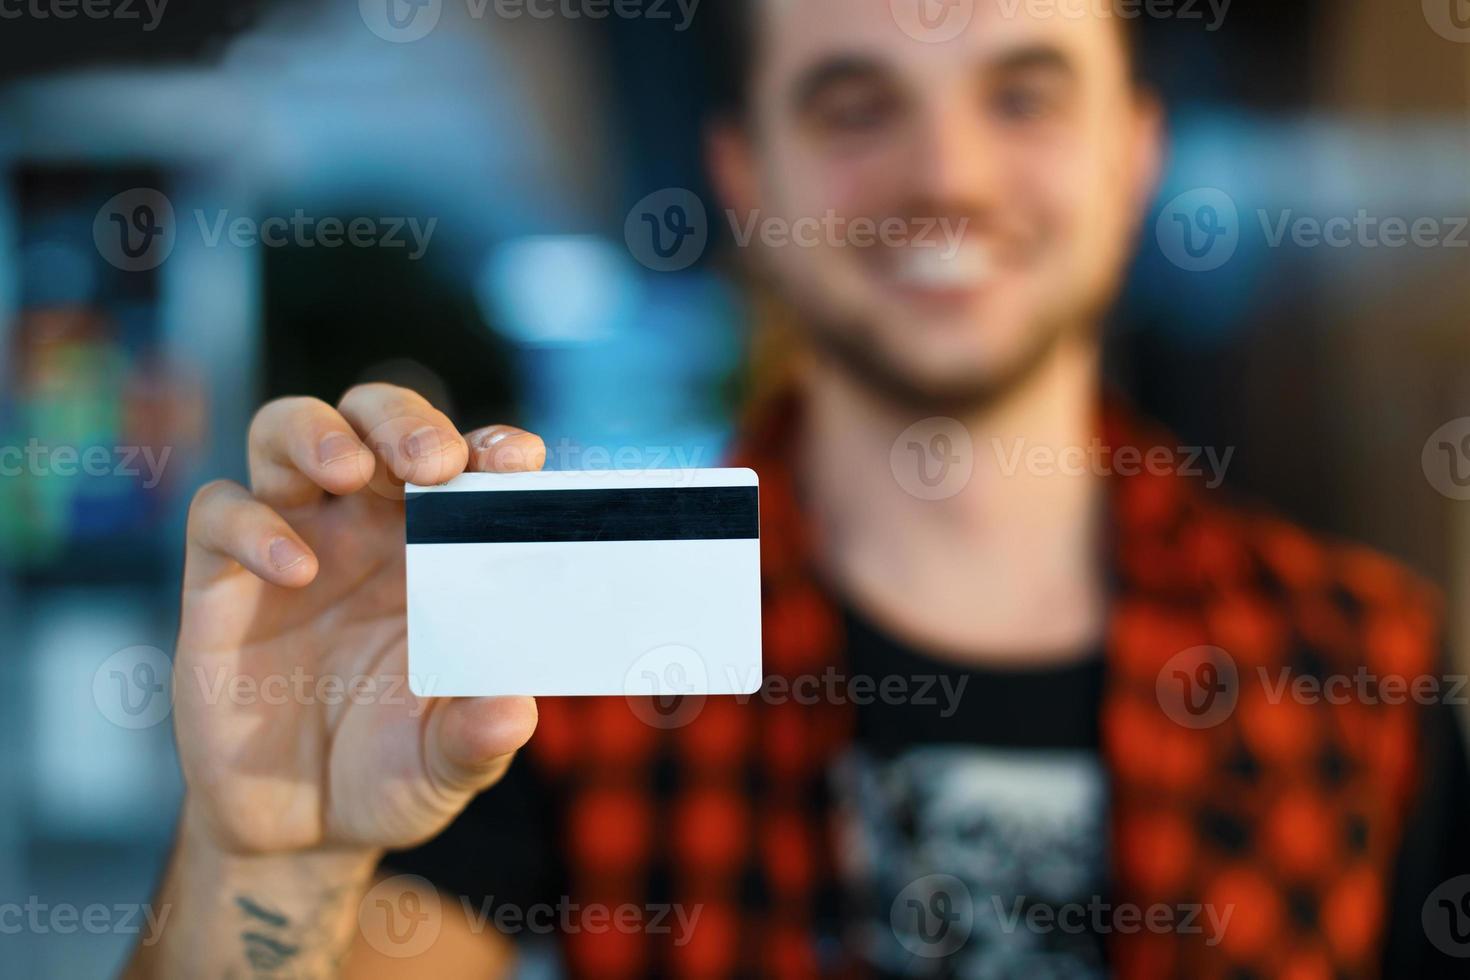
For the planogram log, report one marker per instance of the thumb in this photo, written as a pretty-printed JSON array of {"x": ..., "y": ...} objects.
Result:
[{"x": 471, "y": 741}]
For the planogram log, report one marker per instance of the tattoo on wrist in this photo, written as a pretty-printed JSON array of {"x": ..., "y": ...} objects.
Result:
[{"x": 265, "y": 948}]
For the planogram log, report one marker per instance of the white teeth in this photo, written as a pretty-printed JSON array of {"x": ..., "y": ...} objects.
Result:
[{"x": 942, "y": 266}]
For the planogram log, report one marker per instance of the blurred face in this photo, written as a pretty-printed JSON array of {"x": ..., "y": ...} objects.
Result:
[{"x": 948, "y": 213}]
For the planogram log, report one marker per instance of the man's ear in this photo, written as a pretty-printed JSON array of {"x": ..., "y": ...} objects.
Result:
[
  {"x": 730, "y": 159},
  {"x": 1149, "y": 148}
]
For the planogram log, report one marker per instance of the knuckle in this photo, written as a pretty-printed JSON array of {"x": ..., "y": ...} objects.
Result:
[
  {"x": 383, "y": 402},
  {"x": 209, "y": 497},
  {"x": 305, "y": 405},
  {"x": 281, "y": 414},
  {"x": 376, "y": 393},
  {"x": 357, "y": 393},
  {"x": 260, "y": 420}
]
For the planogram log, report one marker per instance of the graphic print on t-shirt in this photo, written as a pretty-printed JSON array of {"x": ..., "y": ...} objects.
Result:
[{"x": 949, "y": 849}]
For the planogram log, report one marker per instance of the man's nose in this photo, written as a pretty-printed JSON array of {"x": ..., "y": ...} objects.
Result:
[{"x": 956, "y": 161}]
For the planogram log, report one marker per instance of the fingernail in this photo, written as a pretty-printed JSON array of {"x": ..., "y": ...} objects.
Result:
[
  {"x": 494, "y": 438},
  {"x": 335, "y": 448},
  {"x": 428, "y": 441},
  {"x": 286, "y": 553}
]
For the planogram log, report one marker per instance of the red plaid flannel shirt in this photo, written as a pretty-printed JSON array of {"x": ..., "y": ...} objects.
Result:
[{"x": 725, "y": 805}]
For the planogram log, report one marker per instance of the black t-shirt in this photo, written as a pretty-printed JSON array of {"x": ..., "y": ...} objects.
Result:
[{"x": 974, "y": 842}]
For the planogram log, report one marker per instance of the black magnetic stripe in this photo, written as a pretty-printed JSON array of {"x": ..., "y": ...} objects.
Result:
[{"x": 523, "y": 516}]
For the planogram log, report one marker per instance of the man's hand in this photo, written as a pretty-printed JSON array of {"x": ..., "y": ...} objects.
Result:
[{"x": 295, "y": 589}]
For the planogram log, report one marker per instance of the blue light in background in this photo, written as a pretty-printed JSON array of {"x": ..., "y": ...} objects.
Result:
[{"x": 559, "y": 289}]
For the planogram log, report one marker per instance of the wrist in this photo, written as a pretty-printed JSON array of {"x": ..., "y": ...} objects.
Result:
[
  {"x": 292, "y": 913},
  {"x": 198, "y": 835}
]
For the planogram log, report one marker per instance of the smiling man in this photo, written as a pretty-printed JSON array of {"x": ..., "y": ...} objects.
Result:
[{"x": 1110, "y": 788}]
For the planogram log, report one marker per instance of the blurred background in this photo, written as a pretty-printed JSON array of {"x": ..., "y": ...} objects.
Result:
[{"x": 497, "y": 161}]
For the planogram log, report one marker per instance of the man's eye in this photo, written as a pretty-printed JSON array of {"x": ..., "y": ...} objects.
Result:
[
  {"x": 854, "y": 113},
  {"x": 1024, "y": 103}
]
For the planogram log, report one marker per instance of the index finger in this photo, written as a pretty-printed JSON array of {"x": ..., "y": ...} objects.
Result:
[{"x": 416, "y": 442}]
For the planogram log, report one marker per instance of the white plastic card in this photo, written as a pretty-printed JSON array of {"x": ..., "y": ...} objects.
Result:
[{"x": 581, "y": 583}]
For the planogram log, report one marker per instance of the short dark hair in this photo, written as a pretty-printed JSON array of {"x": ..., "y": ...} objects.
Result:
[{"x": 728, "y": 35}]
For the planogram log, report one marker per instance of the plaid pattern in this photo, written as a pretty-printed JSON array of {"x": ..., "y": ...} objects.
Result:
[{"x": 1286, "y": 813}]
